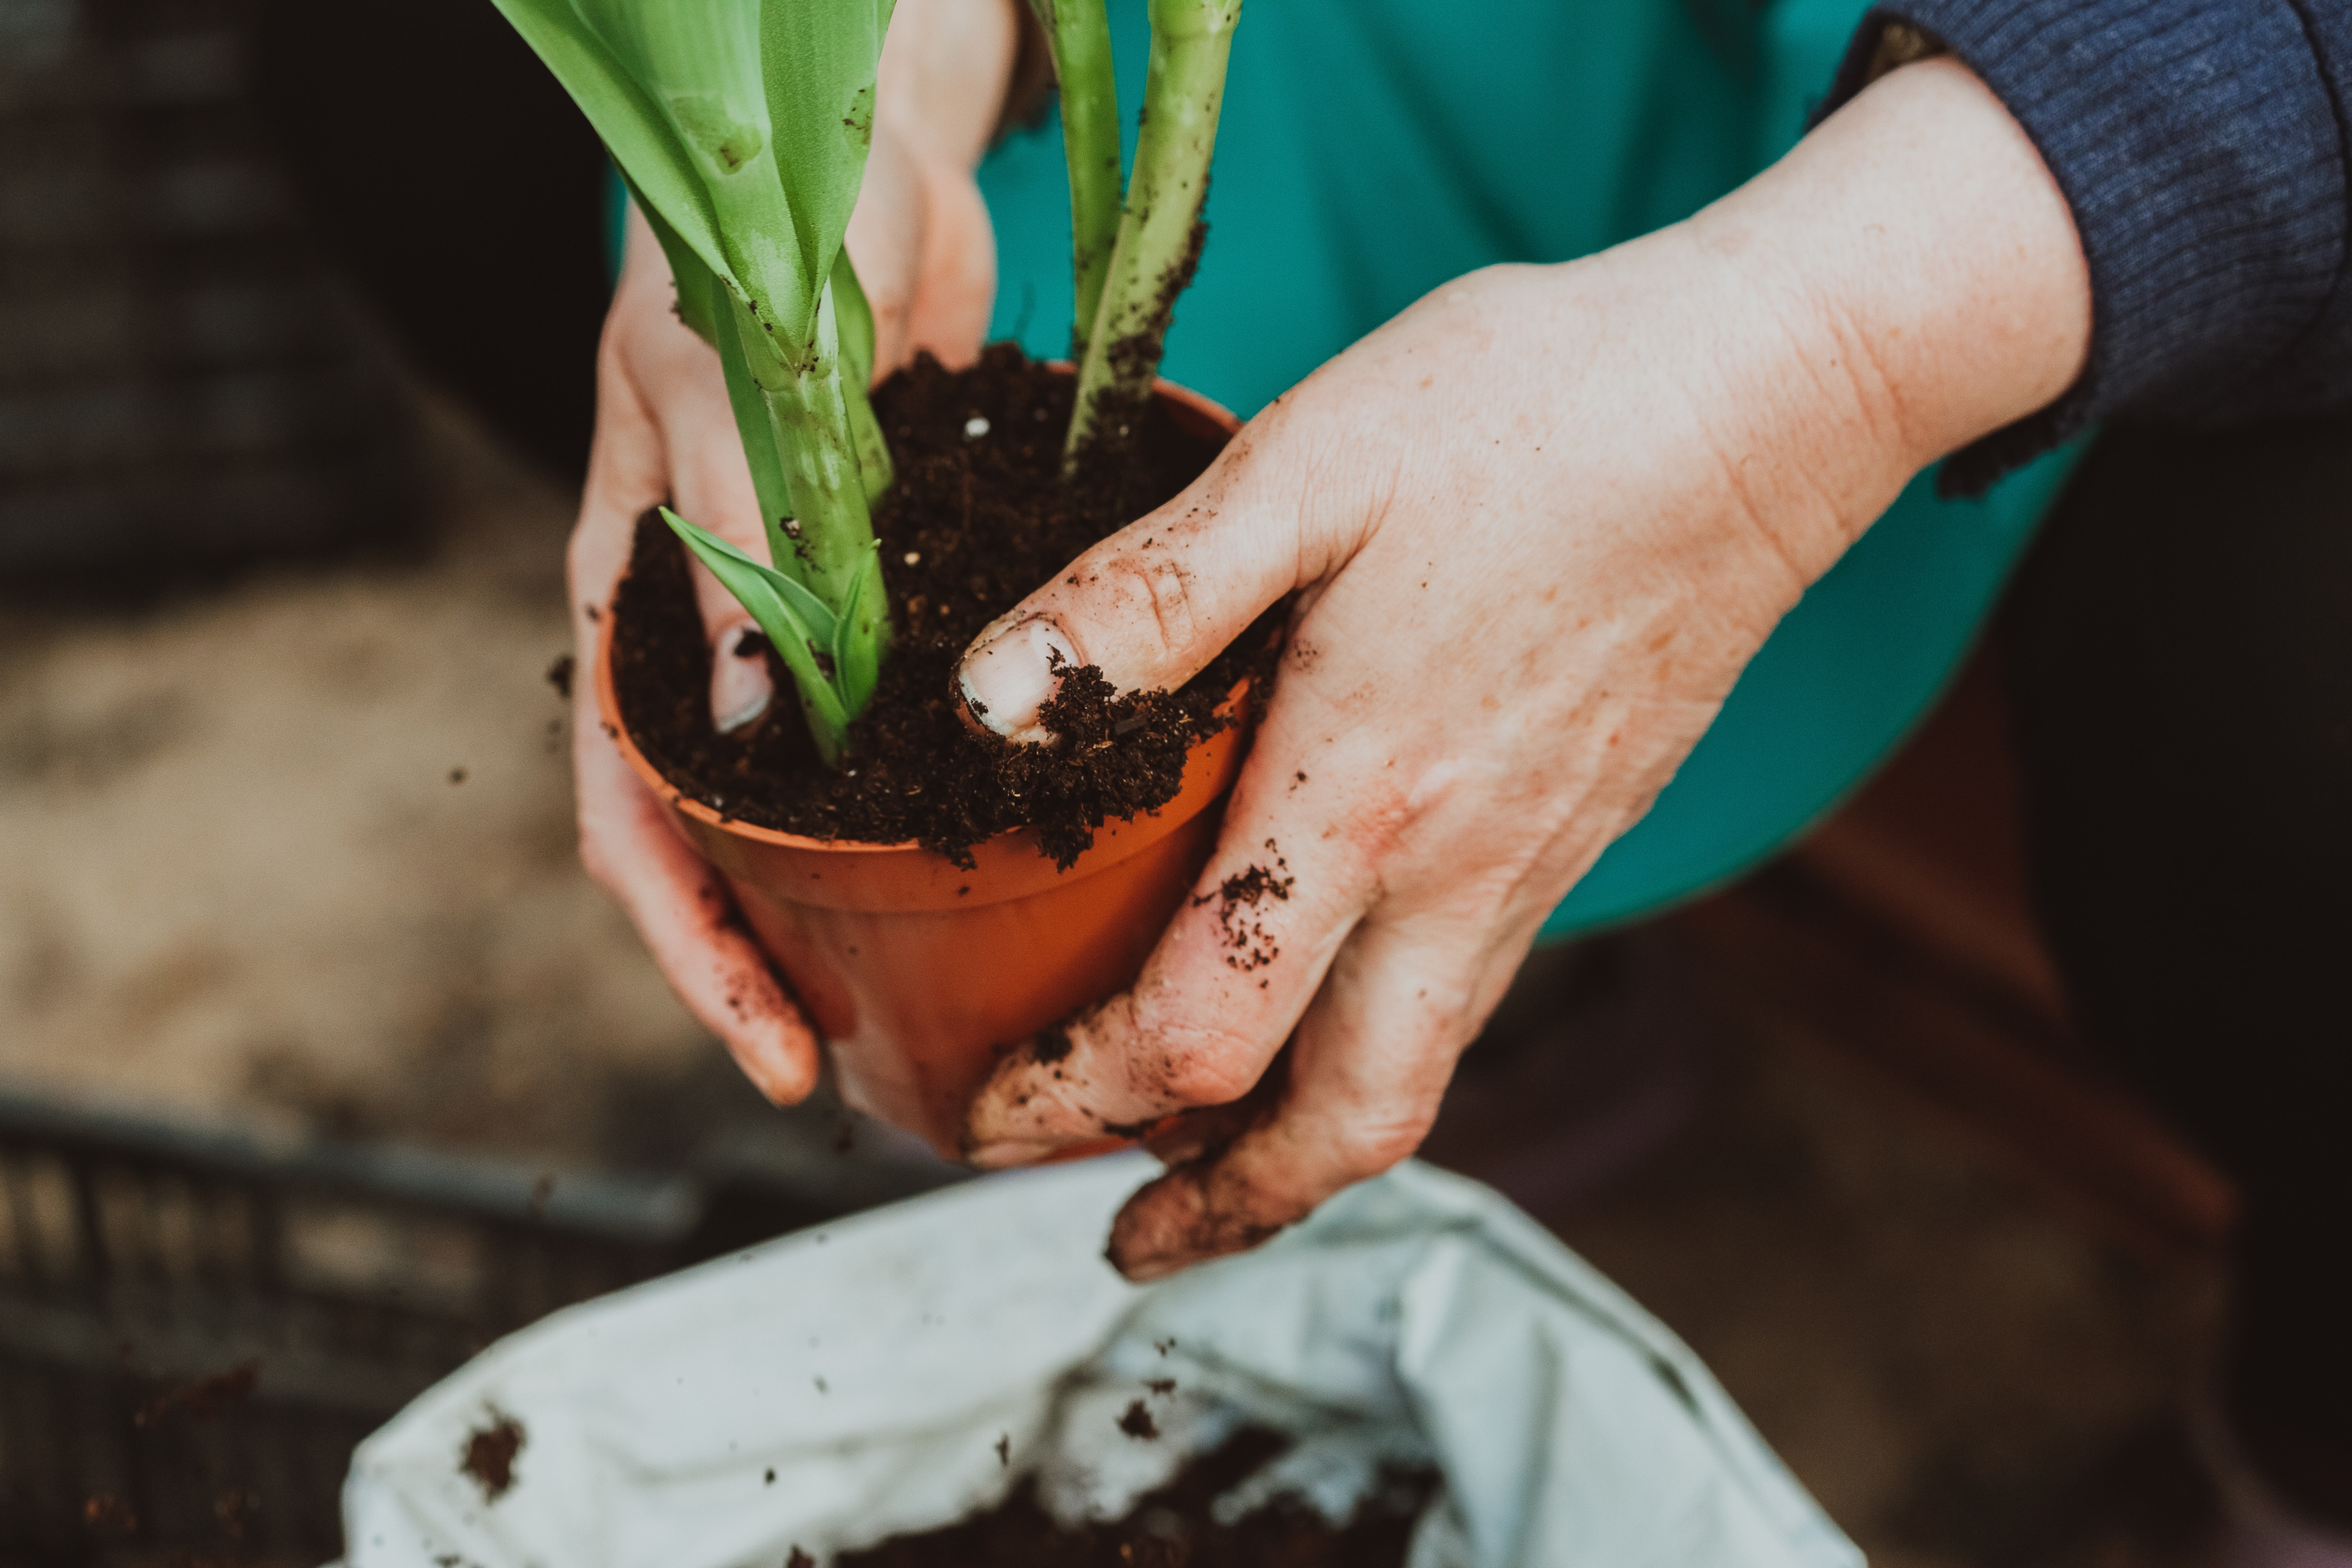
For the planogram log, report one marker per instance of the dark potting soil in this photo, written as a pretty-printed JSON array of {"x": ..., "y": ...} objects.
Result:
[
  {"x": 1173, "y": 1527},
  {"x": 973, "y": 524},
  {"x": 489, "y": 1453}
]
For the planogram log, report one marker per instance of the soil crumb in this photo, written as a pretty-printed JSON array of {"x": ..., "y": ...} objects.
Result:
[
  {"x": 1175, "y": 1527},
  {"x": 1138, "y": 1423},
  {"x": 490, "y": 1453},
  {"x": 1237, "y": 898},
  {"x": 207, "y": 1397},
  {"x": 1052, "y": 1044},
  {"x": 973, "y": 524}
]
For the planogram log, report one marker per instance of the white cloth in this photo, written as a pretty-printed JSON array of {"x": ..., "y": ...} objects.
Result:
[{"x": 875, "y": 1366}]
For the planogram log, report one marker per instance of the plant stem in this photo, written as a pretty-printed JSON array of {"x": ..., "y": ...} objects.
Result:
[
  {"x": 1152, "y": 260},
  {"x": 1080, "y": 34},
  {"x": 824, "y": 535}
]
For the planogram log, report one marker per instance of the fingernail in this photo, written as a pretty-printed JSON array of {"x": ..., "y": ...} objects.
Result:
[
  {"x": 1007, "y": 1152},
  {"x": 1157, "y": 1266},
  {"x": 740, "y": 687},
  {"x": 1007, "y": 678}
]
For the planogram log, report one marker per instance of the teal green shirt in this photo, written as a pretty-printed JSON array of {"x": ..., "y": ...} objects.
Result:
[{"x": 1371, "y": 150}]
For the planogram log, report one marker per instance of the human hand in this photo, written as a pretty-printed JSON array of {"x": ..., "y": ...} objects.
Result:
[
  {"x": 1537, "y": 526},
  {"x": 920, "y": 240}
]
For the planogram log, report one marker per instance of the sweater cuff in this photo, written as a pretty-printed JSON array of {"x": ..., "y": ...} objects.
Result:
[{"x": 2199, "y": 146}]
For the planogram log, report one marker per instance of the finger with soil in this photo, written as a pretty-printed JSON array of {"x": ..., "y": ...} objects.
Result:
[
  {"x": 687, "y": 917},
  {"x": 1219, "y": 994},
  {"x": 1366, "y": 1068}
]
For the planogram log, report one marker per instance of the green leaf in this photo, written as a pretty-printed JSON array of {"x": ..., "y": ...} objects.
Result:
[
  {"x": 697, "y": 63},
  {"x": 760, "y": 453},
  {"x": 660, "y": 170},
  {"x": 819, "y": 58},
  {"x": 855, "y": 314},
  {"x": 781, "y": 607},
  {"x": 857, "y": 661},
  {"x": 824, "y": 626},
  {"x": 741, "y": 128},
  {"x": 809, "y": 612},
  {"x": 854, "y": 323}
]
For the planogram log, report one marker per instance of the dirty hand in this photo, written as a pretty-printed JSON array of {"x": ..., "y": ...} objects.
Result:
[
  {"x": 1537, "y": 525},
  {"x": 920, "y": 240}
]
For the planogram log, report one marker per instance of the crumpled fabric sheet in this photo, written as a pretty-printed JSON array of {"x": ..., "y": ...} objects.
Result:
[{"x": 876, "y": 1366}]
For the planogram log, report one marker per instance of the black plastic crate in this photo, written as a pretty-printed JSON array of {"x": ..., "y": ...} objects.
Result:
[
  {"x": 183, "y": 382},
  {"x": 197, "y": 1328}
]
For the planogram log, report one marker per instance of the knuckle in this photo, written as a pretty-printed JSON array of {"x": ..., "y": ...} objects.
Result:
[
  {"x": 1366, "y": 1148},
  {"x": 1159, "y": 582},
  {"x": 1371, "y": 827},
  {"x": 1216, "y": 1071},
  {"x": 1179, "y": 1053}
]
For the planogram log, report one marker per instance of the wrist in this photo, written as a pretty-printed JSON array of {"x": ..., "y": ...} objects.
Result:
[{"x": 1904, "y": 281}]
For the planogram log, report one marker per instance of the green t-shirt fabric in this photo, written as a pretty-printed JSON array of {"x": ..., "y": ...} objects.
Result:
[{"x": 1371, "y": 150}]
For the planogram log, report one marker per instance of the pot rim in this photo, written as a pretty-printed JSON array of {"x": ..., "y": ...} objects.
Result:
[{"x": 609, "y": 707}]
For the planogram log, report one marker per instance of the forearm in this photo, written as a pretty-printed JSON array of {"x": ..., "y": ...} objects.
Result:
[
  {"x": 2201, "y": 146},
  {"x": 1907, "y": 279}
]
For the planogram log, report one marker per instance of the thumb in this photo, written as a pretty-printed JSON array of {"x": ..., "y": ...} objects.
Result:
[
  {"x": 740, "y": 687},
  {"x": 712, "y": 485},
  {"x": 1150, "y": 606}
]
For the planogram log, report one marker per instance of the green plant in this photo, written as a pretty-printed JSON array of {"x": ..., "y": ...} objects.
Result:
[
  {"x": 1124, "y": 309},
  {"x": 742, "y": 129}
]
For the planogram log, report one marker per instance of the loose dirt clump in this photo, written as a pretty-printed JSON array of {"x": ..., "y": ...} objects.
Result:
[
  {"x": 1174, "y": 1526},
  {"x": 973, "y": 524},
  {"x": 1237, "y": 898},
  {"x": 489, "y": 1455}
]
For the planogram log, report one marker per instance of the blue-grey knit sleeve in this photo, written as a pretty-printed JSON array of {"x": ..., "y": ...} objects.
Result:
[{"x": 2203, "y": 147}]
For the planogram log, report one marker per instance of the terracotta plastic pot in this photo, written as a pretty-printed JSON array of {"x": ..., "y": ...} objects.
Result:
[{"x": 917, "y": 970}]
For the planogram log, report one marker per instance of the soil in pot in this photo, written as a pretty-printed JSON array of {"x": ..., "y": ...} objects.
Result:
[
  {"x": 980, "y": 516},
  {"x": 1175, "y": 1527}
]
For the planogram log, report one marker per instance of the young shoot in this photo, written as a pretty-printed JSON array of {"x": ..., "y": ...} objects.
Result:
[
  {"x": 741, "y": 130},
  {"x": 1157, "y": 242},
  {"x": 1079, "y": 34}
]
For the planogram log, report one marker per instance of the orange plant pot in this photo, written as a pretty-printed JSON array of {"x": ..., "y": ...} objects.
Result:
[{"x": 917, "y": 970}]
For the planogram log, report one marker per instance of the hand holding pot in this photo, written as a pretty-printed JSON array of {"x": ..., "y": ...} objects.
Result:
[
  {"x": 1537, "y": 526},
  {"x": 920, "y": 241}
]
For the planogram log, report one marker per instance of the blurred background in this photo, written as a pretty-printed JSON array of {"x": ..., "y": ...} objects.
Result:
[{"x": 321, "y": 1063}]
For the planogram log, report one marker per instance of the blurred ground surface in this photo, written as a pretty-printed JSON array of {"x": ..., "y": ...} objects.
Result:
[
  {"x": 301, "y": 848},
  {"x": 298, "y": 851}
]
